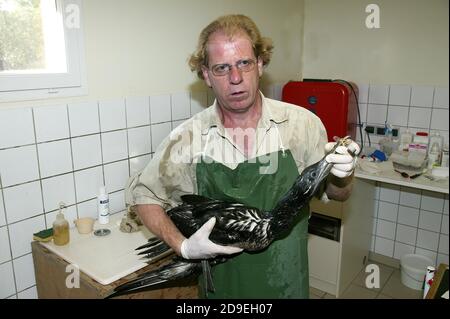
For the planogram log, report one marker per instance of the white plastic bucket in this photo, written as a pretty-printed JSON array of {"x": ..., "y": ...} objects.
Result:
[{"x": 413, "y": 270}]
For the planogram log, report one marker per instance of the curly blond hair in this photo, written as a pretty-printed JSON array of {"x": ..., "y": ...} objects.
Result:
[{"x": 230, "y": 25}]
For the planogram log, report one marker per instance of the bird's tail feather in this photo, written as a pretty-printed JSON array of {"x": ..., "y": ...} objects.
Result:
[{"x": 175, "y": 270}]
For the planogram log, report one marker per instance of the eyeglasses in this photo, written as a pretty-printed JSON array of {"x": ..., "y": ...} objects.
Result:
[
  {"x": 245, "y": 65},
  {"x": 406, "y": 175}
]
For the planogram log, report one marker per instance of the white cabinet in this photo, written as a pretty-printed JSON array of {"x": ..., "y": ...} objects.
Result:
[{"x": 334, "y": 264}]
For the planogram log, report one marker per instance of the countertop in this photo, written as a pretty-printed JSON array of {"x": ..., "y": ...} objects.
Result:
[
  {"x": 384, "y": 172},
  {"x": 105, "y": 259}
]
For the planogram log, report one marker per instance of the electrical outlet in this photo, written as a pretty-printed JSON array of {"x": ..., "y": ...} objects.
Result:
[
  {"x": 395, "y": 132},
  {"x": 380, "y": 130},
  {"x": 369, "y": 129}
]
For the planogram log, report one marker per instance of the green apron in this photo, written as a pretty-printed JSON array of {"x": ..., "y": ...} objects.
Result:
[{"x": 279, "y": 271}]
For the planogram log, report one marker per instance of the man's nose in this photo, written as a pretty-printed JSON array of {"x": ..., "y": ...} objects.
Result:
[{"x": 235, "y": 75}]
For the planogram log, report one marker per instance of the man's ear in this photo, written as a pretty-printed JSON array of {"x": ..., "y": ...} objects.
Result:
[
  {"x": 206, "y": 75},
  {"x": 260, "y": 66}
]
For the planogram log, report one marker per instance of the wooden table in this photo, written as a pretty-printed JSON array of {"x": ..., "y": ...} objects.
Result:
[{"x": 51, "y": 275}]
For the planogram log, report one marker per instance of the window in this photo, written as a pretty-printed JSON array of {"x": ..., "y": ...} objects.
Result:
[{"x": 41, "y": 49}]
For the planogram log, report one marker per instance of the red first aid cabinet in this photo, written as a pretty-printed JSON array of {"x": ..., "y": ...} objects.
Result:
[{"x": 333, "y": 102}]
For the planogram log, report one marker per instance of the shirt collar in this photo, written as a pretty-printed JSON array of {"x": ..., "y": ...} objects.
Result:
[{"x": 270, "y": 115}]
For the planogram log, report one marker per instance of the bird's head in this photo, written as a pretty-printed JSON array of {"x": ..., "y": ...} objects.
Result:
[{"x": 313, "y": 176}]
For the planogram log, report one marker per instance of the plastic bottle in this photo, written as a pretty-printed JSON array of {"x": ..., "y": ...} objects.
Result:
[
  {"x": 61, "y": 234},
  {"x": 103, "y": 206},
  {"x": 434, "y": 155},
  {"x": 405, "y": 140},
  {"x": 436, "y": 138}
]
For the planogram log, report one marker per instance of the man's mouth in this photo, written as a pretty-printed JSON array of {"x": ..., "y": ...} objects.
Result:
[{"x": 238, "y": 94}]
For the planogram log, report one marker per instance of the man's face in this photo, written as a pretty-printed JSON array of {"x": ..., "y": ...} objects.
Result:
[{"x": 236, "y": 91}]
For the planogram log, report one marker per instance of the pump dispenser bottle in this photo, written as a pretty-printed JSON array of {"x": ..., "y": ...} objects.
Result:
[
  {"x": 61, "y": 234},
  {"x": 103, "y": 206}
]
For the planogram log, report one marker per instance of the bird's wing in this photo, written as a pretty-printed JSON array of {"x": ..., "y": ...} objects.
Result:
[{"x": 175, "y": 270}]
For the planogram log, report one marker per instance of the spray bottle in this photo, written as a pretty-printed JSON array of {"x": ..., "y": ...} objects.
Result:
[{"x": 103, "y": 206}]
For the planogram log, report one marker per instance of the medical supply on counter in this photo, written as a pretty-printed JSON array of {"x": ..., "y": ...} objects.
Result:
[
  {"x": 61, "y": 234},
  {"x": 406, "y": 138},
  {"x": 435, "y": 137},
  {"x": 434, "y": 156},
  {"x": 103, "y": 206},
  {"x": 420, "y": 143},
  {"x": 379, "y": 155},
  {"x": 44, "y": 235},
  {"x": 429, "y": 275}
]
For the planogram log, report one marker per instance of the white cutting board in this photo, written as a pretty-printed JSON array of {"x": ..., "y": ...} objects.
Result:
[{"x": 105, "y": 259}]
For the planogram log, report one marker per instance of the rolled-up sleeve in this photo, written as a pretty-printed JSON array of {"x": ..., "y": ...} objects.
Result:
[{"x": 166, "y": 177}]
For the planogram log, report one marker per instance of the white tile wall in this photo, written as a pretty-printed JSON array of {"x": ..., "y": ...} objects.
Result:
[
  {"x": 116, "y": 175},
  {"x": 114, "y": 146},
  {"x": 137, "y": 110},
  {"x": 88, "y": 182},
  {"x": 181, "y": 106},
  {"x": 378, "y": 94},
  {"x": 21, "y": 234},
  {"x": 398, "y": 115},
  {"x": 86, "y": 151},
  {"x": 420, "y": 217},
  {"x": 159, "y": 132},
  {"x": 376, "y": 114},
  {"x": 440, "y": 97},
  {"x": 30, "y": 293},
  {"x": 439, "y": 119},
  {"x": 2, "y": 211},
  {"x": 408, "y": 216},
  {"x": 419, "y": 117},
  {"x": 422, "y": 96},
  {"x": 112, "y": 115},
  {"x": 399, "y": 95},
  {"x": 51, "y": 123},
  {"x": 58, "y": 189},
  {"x": 7, "y": 287},
  {"x": 55, "y": 158},
  {"x": 24, "y": 272},
  {"x": 23, "y": 201},
  {"x": 139, "y": 141},
  {"x": 160, "y": 109},
  {"x": 19, "y": 165},
  {"x": 5, "y": 253},
  {"x": 83, "y": 118},
  {"x": 16, "y": 127}
]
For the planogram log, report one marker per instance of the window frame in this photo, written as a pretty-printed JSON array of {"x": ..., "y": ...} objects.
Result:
[{"x": 30, "y": 86}]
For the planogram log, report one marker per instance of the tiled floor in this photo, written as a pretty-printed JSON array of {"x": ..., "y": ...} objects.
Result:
[{"x": 391, "y": 287}]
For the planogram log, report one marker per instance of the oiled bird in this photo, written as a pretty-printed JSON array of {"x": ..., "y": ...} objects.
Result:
[{"x": 236, "y": 225}]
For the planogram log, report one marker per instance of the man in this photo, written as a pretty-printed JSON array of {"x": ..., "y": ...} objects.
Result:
[{"x": 245, "y": 148}]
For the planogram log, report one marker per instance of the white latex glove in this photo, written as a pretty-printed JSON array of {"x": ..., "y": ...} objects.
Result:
[
  {"x": 198, "y": 246},
  {"x": 344, "y": 163}
]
